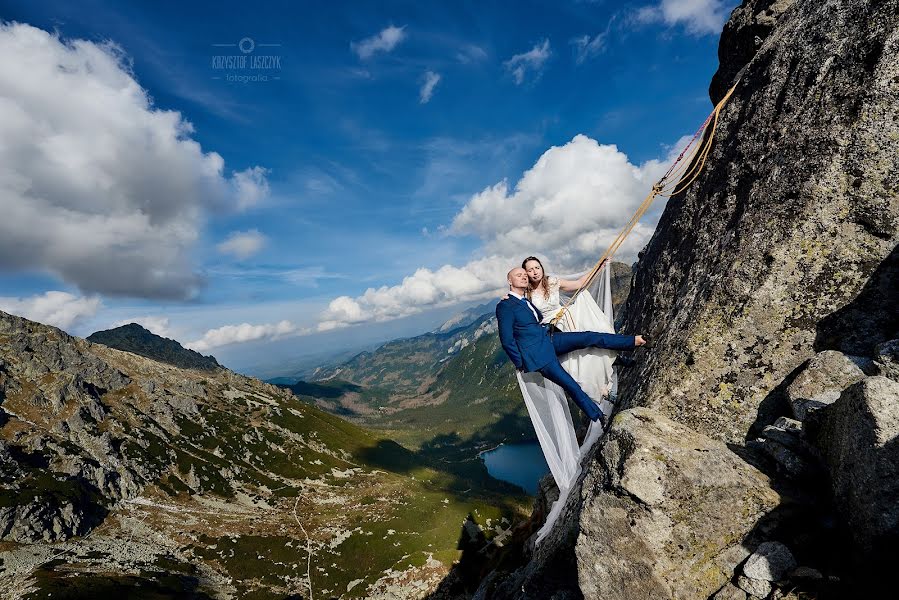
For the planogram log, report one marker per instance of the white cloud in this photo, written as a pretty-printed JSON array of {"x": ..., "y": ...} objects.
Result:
[
  {"x": 423, "y": 289},
  {"x": 431, "y": 80},
  {"x": 384, "y": 41},
  {"x": 588, "y": 47},
  {"x": 59, "y": 309},
  {"x": 250, "y": 186},
  {"x": 568, "y": 207},
  {"x": 532, "y": 61},
  {"x": 242, "y": 244},
  {"x": 470, "y": 53},
  {"x": 154, "y": 324},
  {"x": 699, "y": 17},
  {"x": 97, "y": 186},
  {"x": 232, "y": 334}
]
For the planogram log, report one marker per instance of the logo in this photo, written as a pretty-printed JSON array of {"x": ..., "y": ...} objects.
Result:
[{"x": 246, "y": 61}]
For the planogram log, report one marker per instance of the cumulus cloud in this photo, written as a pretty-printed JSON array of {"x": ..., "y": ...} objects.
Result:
[
  {"x": 423, "y": 289},
  {"x": 233, "y": 334},
  {"x": 59, "y": 309},
  {"x": 154, "y": 324},
  {"x": 570, "y": 204},
  {"x": 699, "y": 17},
  {"x": 242, "y": 244},
  {"x": 528, "y": 63},
  {"x": 431, "y": 80},
  {"x": 383, "y": 41},
  {"x": 568, "y": 208},
  {"x": 97, "y": 186}
]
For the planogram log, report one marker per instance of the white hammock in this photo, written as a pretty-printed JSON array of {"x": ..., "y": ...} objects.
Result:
[{"x": 546, "y": 401}]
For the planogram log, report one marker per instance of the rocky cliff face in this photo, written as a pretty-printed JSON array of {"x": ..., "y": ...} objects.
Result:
[
  {"x": 786, "y": 244},
  {"x": 755, "y": 452}
]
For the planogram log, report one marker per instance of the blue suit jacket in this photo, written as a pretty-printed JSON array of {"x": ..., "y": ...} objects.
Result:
[{"x": 522, "y": 336}]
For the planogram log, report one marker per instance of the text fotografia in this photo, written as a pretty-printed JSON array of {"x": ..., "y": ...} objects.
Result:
[{"x": 245, "y": 64}]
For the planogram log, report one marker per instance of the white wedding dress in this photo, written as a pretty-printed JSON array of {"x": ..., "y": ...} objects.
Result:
[{"x": 592, "y": 368}]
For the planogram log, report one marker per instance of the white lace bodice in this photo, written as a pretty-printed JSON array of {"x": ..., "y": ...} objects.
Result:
[{"x": 548, "y": 306}]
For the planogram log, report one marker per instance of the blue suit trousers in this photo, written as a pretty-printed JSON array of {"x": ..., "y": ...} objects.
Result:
[{"x": 565, "y": 342}]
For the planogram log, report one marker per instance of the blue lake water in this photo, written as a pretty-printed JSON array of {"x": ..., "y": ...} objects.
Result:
[{"x": 521, "y": 464}]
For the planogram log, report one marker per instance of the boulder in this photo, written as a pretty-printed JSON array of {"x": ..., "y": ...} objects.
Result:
[
  {"x": 886, "y": 359},
  {"x": 821, "y": 382},
  {"x": 859, "y": 438},
  {"x": 729, "y": 592},
  {"x": 757, "y": 588},
  {"x": 671, "y": 515},
  {"x": 771, "y": 561}
]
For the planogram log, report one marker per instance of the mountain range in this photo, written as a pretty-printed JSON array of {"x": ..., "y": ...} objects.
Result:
[{"x": 126, "y": 475}]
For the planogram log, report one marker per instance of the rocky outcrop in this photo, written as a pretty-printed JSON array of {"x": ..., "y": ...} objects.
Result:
[
  {"x": 821, "y": 382},
  {"x": 672, "y": 516},
  {"x": 859, "y": 438},
  {"x": 786, "y": 244},
  {"x": 660, "y": 512}
]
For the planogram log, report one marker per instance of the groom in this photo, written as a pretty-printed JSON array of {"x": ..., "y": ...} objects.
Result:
[{"x": 531, "y": 348}]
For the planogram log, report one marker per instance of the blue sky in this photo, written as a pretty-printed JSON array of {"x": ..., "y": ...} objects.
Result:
[{"x": 373, "y": 155}]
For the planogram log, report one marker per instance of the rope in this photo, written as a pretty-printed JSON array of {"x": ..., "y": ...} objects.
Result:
[{"x": 681, "y": 172}]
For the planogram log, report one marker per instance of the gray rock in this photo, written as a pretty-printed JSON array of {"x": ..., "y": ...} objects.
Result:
[
  {"x": 886, "y": 360},
  {"x": 786, "y": 437},
  {"x": 858, "y": 438},
  {"x": 729, "y": 592},
  {"x": 771, "y": 561},
  {"x": 788, "y": 461},
  {"x": 788, "y": 424},
  {"x": 793, "y": 220},
  {"x": 806, "y": 573},
  {"x": 670, "y": 514},
  {"x": 821, "y": 382},
  {"x": 758, "y": 588}
]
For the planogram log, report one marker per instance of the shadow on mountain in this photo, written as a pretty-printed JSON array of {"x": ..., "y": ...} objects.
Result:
[
  {"x": 329, "y": 390},
  {"x": 147, "y": 586},
  {"x": 455, "y": 457}
]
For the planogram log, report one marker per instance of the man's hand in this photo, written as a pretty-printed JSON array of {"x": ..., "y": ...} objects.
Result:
[{"x": 639, "y": 341}]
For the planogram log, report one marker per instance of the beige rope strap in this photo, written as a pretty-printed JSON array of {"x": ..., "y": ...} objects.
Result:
[{"x": 682, "y": 172}]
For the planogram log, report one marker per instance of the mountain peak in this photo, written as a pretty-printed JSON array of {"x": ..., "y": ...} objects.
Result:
[{"x": 137, "y": 339}]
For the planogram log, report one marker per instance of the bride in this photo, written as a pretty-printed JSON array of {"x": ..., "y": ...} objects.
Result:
[{"x": 592, "y": 367}]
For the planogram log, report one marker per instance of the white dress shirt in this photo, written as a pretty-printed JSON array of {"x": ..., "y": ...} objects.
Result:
[{"x": 530, "y": 305}]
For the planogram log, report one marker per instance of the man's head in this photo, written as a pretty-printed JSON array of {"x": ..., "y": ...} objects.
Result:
[{"x": 518, "y": 279}]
